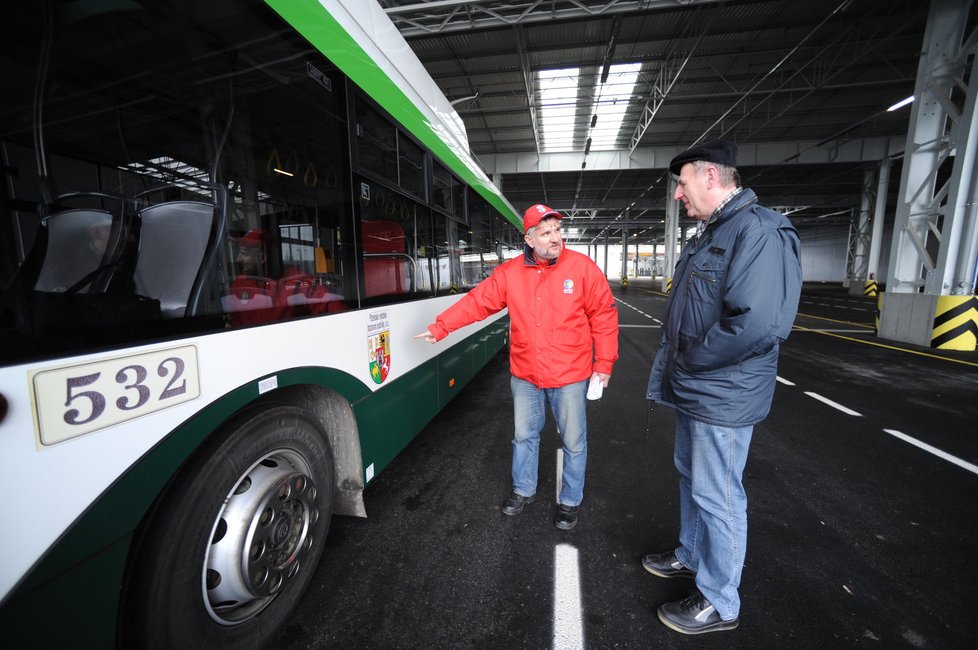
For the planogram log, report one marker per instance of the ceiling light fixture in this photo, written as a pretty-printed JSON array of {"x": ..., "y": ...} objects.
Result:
[{"x": 900, "y": 104}]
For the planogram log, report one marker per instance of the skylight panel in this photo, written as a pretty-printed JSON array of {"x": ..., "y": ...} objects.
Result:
[
  {"x": 612, "y": 103},
  {"x": 558, "y": 92},
  {"x": 567, "y": 103}
]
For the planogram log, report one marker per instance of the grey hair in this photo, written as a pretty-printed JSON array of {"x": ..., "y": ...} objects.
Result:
[{"x": 726, "y": 174}]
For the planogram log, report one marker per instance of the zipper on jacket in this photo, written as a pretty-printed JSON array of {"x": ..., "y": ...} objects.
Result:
[{"x": 693, "y": 274}]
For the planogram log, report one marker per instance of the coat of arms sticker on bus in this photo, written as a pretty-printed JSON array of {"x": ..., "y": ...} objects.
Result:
[{"x": 379, "y": 346}]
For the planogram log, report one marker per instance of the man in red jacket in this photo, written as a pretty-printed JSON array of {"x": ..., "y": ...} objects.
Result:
[{"x": 563, "y": 333}]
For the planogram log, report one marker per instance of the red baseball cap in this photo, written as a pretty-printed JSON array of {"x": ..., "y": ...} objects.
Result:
[
  {"x": 254, "y": 238},
  {"x": 537, "y": 213}
]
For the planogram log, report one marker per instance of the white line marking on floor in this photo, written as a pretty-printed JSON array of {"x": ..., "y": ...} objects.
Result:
[
  {"x": 834, "y": 405},
  {"x": 568, "y": 616},
  {"x": 785, "y": 381},
  {"x": 934, "y": 450},
  {"x": 635, "y": 308}
]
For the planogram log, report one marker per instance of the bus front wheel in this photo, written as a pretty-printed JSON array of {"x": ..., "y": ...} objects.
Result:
[{"x": 236, "y": 539}]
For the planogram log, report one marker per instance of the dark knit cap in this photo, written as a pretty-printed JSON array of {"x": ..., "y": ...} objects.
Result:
[{"x": 721, "y": 152}]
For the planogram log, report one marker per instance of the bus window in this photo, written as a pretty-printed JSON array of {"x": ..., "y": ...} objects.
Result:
[
  {"x": 458, "y": 200},
  {"x": 290, "y": 269},
  {"x": 449, "y": 267},
  {"x": 507, "y": 240},
  {"x": 410, "y": 165},
  {"x": 398, "y": 244},
  {"x": 376, "y": 142},
  {"x": 311, "y": 282},
  {"x": 387, "y": 269},
  {"x": 441, "y": 191},
  {"x": 252, "y": 295},
  {"x": 478, "y": 255}
]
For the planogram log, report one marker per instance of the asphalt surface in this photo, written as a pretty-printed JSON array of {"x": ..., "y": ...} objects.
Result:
[{"x": 858, "y": 537}]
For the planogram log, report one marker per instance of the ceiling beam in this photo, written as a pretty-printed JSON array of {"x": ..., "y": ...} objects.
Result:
[
  {"x": 857, "y": 150},
  {"x": 441, "y": 16},
  {"x": 528, "y": 84}
]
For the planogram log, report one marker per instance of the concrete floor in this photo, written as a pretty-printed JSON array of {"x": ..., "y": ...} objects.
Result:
[{"x": 859, "y": 537}]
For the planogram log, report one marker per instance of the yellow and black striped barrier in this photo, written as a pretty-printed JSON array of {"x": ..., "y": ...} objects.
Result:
[
  {"x": 955, "y": 323},
  {"x": 668, "y": 285},
  {"x": 624, "y": 281},
  {"x": 871, "y": 288}
]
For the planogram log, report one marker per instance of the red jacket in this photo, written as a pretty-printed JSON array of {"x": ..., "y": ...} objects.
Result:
[{"x": 563, "y": 318}]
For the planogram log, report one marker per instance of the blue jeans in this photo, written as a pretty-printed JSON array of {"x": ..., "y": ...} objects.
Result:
[
  {"x": 569, "y": 406},
  {"x": 713, "y": 508}
]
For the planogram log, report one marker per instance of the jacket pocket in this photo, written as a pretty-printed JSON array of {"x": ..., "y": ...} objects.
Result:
[
  {"x": 704, "y": 287},
  {"x": 709, "y": 268}
]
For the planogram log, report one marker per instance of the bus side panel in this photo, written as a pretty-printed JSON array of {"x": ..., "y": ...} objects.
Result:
[
  {"x": 496, "y": 336},
  {"x": 77, "y": 610},
  {"x": 78, "y": 582},
  {"x": 458, "y": 365},
  {"x": 389, "y": 418}
]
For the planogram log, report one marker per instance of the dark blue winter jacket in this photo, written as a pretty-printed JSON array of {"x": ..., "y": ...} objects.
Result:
[{"x": 733, "y": 300}]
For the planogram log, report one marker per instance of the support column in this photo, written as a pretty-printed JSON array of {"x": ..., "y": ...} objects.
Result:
[
  {"x": 607, "y": 245},
  {"x": 671, "y": 232},
  {"x": 859, "y": 261},
  {"x": 882, "y": 190},
  {"x": 624, "y": 257},
  {"x": 933, "y": 249}
]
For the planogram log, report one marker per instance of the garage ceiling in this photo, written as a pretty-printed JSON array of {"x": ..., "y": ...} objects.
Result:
[{"x": 801, "y": 86}]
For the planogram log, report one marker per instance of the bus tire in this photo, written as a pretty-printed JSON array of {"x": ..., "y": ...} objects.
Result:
[{"x": 236, "y": 539}]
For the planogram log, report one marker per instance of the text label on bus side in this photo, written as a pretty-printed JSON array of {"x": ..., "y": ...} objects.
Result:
[{"x": 74, "y": 400}]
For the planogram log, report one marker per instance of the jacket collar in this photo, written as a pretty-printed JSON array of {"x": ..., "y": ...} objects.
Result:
[
  {"x": 732, "y": 205},
  {"x": 529, "y": 259}
]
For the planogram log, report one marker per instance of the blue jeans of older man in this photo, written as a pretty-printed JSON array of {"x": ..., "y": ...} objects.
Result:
[
  {"x": 713, "y": 508},
  {"x": 569, "y": 406}
]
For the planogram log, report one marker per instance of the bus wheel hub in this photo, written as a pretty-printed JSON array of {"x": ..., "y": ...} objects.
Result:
[{"x": 259, "y": 538}]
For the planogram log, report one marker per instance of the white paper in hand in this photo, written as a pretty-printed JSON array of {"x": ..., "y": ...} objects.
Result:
[{"x": 595, "y": 388}]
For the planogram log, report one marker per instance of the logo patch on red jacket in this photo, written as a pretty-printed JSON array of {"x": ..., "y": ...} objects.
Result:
[{"x": 568, "y": 286}]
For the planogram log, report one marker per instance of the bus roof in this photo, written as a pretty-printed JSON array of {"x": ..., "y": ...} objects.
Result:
[{"x": 362, "y": 41}]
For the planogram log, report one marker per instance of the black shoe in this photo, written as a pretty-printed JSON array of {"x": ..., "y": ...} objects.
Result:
[
  {"x": 666, "y": 565},
  {"x": 514, "y": 504},
  {"x": 694, "y": 615},
  {"x": 566, "y": 517}
]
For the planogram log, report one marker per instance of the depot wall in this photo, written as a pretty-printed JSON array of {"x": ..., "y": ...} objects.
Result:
[{"x": 824, "y": 255}]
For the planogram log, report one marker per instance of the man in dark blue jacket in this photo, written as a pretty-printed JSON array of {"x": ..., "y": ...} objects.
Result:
[{"x": 734, "y": 296}]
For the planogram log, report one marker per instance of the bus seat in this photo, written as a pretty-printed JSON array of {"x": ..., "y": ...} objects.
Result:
[
  {"x": 385, "y": 263},
  {"x": 292, "y": 289},
  {"x": 67, "y": 231},
  {"x": 173, "y": 240},
  {"x": 246, "y": 300},
  {"x": 251, "y": 299},
  {"x": 322, "y": 298}
]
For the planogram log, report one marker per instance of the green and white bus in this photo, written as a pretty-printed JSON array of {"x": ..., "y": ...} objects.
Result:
[{"x": 223, "y": 221}]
